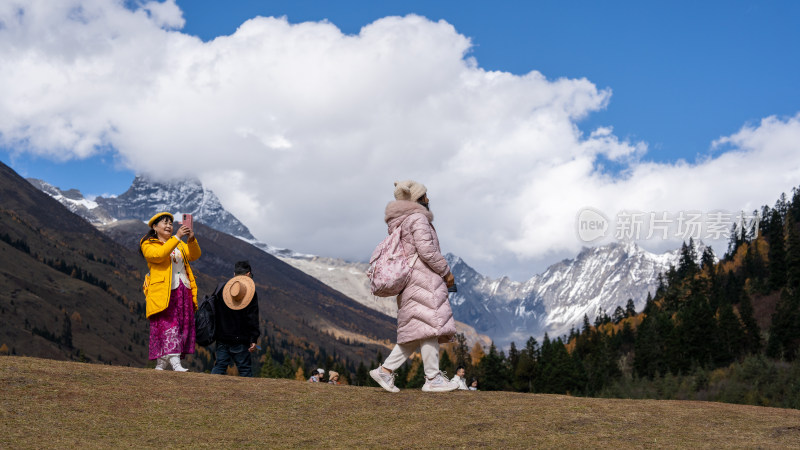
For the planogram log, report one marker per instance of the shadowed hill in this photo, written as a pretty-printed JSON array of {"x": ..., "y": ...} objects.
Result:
[
  {"x": 66, "y": 290},
  {"x": 66, "y": 404}
]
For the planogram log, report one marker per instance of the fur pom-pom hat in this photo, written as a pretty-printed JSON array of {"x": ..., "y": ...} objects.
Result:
[{"x": 409, "y": 190}]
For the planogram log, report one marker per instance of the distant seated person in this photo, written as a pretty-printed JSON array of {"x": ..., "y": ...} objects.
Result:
[
  {"x": 317, "y": 376},
  {"x": 474, "y": 385},
  {"x": 459, "y": 378},
  {"x": 333, "y": 377},
  {"x": 236, "y": 320}
]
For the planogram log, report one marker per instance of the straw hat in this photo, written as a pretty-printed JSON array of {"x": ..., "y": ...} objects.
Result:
[{"x": 238, "y": 292}]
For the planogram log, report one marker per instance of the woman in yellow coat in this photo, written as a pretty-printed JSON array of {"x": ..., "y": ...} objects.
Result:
[{"x": 172, "y": 291}]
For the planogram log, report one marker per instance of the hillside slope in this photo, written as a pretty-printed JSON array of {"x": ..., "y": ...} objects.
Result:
[
  {"x": 58, "y": 272},
  {"x": 66, "y": 404}
]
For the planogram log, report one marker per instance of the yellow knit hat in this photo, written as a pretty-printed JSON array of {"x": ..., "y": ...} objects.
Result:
[{"x": 158, "y": 216}]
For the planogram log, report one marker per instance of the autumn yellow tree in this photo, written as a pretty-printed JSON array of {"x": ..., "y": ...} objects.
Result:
[
  {"x": 477, "y": 353},
  {"x": 300, "y": 374}
]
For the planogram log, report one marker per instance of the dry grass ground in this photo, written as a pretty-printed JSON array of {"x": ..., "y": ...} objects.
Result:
[{"x": 46, "y": 403}]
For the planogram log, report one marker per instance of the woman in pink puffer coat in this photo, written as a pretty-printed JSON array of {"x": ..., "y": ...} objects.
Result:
[{"x": 424, "y": 317}]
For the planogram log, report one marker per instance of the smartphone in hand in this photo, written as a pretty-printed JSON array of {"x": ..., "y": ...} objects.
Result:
[{"x": 187, "y": 220}]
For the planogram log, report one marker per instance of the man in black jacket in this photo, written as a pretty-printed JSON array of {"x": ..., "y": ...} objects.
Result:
[{"x": 236, "y": 322}]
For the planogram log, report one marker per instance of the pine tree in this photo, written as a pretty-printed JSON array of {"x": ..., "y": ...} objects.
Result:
[
  {"x": 445, "y": 363},
  {"x": 560, "y": 373},
  {"x": 782, "y": 205},
  {"x": 362, "y": 376},
  {"x": 66, "y": 332},
  {"x": 599, "y": 367},
  {"x": 752, "y": 334},
  {"x": 795, "y": 206},
  {"x": 755, "y": 268},
  {"x": 513, "y": 359},
  {"x": 630, "y": 307},
  {"x": 401, "y": 376},
  {"x": 784, "y": 333},
  {"x": 731, "y": 337},
  {"x": 733, "y": 243},
  {"x": 618, "y": 315},
  {"x": 268, "y": 369},
  {"x": 461, "y": 350},
  {"x": 661, "y": 284},
  {"x": 527, "y": 368},
  {"x": 492, "y": 371},
  {"x": 652, "y": 336},
  {"x": 707, "y": 261},
  {"x": 792, "y": 255},
  {"x": 696, "y": 332},
  {"x": 777, "y": 253},
  {"x": 287, "y": 369},
  {"x": 627, "y": 337},
  {"x": 418, "y": 375},
  {"x": 687, "y": 265}
]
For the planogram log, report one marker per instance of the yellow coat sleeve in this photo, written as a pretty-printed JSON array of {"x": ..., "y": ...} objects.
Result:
[{"x": 194, "y": 250}]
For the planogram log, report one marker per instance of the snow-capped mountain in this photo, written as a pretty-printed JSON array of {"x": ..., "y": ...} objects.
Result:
[
  {"x": 598, "y": 280},
  {"x": 75, "y": 202},
  {"x": 145, "y": 198},
  {"x": 496, "y": 307}
]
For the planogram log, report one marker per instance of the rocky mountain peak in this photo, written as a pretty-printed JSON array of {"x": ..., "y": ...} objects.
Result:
[
  {"x": 597, "y": 279},
  {"x": 146, "y": 197}
]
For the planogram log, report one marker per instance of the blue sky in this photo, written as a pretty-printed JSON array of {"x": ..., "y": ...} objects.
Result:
[
  {"x": 647, "y": 84},
  {"x": 682, "y": 73}
]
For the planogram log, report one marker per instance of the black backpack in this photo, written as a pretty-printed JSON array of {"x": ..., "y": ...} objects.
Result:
[{"x": 204, "y": 318}]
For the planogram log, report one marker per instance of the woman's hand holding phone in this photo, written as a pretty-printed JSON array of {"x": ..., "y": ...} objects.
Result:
[{"x": 183, "y": 231}]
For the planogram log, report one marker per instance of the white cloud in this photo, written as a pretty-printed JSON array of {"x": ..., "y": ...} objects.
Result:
[
  {"x": 301, "y": 129},
  {"x": 165, "y": 14}
]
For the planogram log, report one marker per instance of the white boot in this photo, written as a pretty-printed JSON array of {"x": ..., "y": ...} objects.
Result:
[
  {"x": 175, "y": 360},
  {"x": 161, "y": 363}
]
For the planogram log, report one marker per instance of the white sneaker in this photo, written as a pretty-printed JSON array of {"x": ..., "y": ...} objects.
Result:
[
  {"x": 161, "y": 363},
  {"x": 386, "y": 380},
  {"x": 439, "y": 383},
  {"x": 175, "y": 360}
]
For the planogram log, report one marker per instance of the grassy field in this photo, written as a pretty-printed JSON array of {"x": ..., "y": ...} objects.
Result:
[{"x": 45, "y": 403}]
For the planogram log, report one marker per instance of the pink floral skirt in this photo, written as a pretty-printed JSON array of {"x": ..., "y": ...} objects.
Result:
[{"x": 172, "y": 330}]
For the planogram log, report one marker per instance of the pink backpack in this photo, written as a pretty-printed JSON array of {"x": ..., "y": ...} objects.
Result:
[{"x": 389, "y": 270}]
